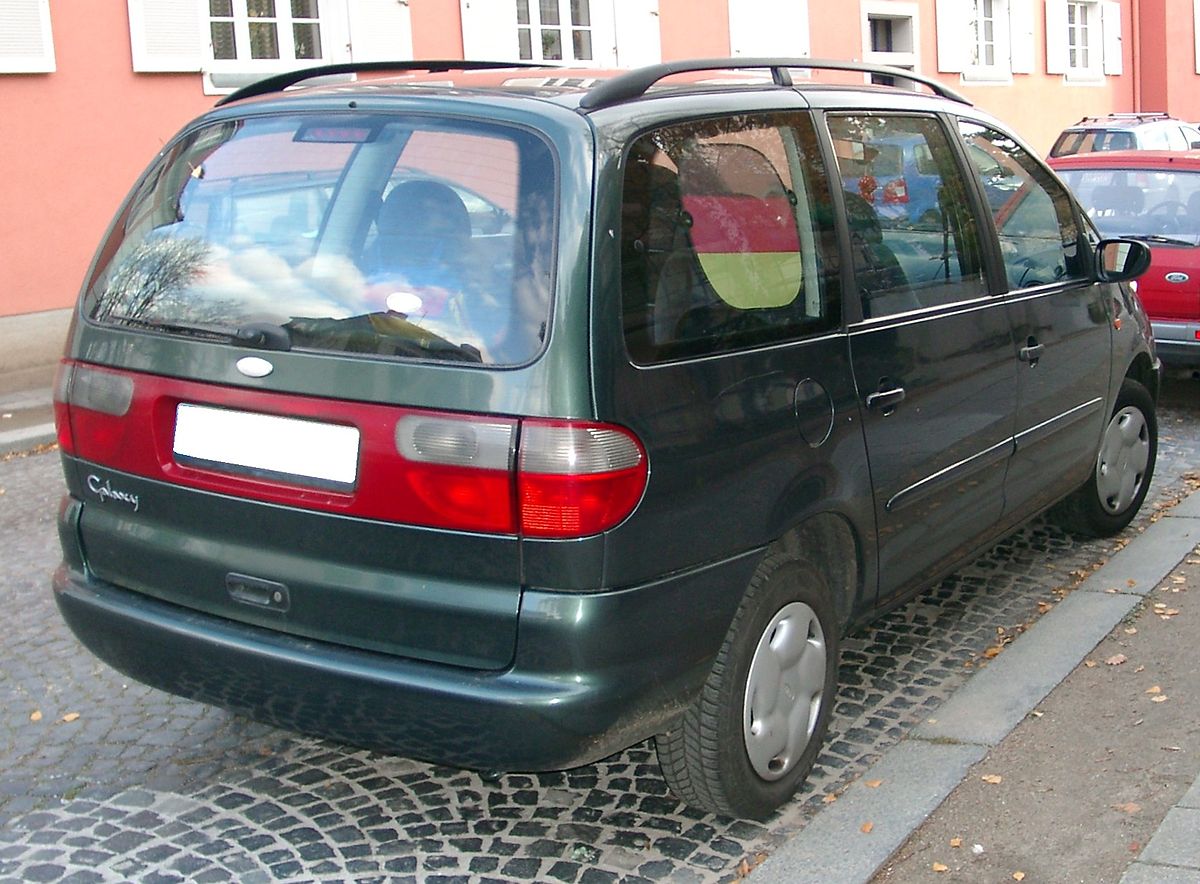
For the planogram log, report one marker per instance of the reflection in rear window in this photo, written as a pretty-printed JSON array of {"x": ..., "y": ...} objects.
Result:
[{"x": 378, "y": 235}]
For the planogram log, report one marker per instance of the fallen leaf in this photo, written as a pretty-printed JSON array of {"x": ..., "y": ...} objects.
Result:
[
  {"x": 956, "y": 842},
  {"x": 69, "y": 717},
  {"x": 1116, "y": 660},
  {"x": 993, "y": 652},
  {"x": 1154, "y": 690},
  {"x": 1129, "y": 808},
  {"x": 1158, "y": 606},
  {"x": 36, "y": 715},
  {"x": 1043, "y": 607},
  {"x": 1112, "y": 591},
  {"x": 1090, "y": 664},
  {"x": 1135, "y": 847},
  {"x": 1018, "y": 876},
  {"x": 1179, "y": 580},
  {"x": 830, "y": 798},
  {"x": 1161, "y": 698},
  {"x": 938, "y": 867},
  {"x": 992, "y": 779},
  {"x": 873, "y": 784},
  {"x": 866, "y": 828},
  {"x": 1131, "y": 630},
  {"x": 1140, "y": 669},
  {"x": 1131, "y": 582},
  {"x": 1172, "y": 748}
]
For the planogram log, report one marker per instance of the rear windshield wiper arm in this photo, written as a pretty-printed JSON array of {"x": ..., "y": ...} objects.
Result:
[{"x": 262, "y": 335}]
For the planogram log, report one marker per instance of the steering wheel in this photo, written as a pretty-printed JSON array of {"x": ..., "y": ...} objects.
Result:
[{"x": 1171, "y": 211}]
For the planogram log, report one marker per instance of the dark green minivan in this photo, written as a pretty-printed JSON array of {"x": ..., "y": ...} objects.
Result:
[{"x": 504, "y": 417}]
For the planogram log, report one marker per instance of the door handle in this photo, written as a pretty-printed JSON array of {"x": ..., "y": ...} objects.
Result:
[
  {"x": 1032, "y": 352},
  {"x": 886, "y": 400}
]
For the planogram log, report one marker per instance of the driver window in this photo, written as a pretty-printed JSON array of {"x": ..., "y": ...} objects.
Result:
[{"x": 1039, "y": 237}]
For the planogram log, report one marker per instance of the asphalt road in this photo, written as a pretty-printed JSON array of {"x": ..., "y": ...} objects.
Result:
[{"x": 102, "y": 779}]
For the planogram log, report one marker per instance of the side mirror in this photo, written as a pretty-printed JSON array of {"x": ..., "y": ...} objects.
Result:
[{"x": 1120, "y": 260}]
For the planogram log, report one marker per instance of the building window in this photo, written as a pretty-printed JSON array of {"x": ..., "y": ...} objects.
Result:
[
  {"x": 264, "y": 33},
  {"x": 1080, "y": 26},
  {"x": 1083, "y": 39},
  {"x": 983, "y": 50},
  {"x": 890, "y": 36},
  {"x": 554, "y": 30}
]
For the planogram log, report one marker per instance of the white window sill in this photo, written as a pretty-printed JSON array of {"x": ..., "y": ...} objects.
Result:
[
  {"x": 1084, "y": 77},
  {"x": 987, "y": 77}
]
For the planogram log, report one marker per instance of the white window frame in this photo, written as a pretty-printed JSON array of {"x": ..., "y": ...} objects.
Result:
[
  {"x": 490, "y": 31},
  {"x": 565, "y": 27},
  {"x": 999, "y": 70},
  {"x": 222, "y": 75},
  {"x": 890, "y": 9},
  {"x": 26, "y": 39},
  {"x": 1098, "y": 39}
]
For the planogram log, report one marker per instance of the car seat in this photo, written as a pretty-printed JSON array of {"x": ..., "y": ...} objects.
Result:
[
  {"x": 882, "y": 284},
  {"x": 423, "y": 233}
]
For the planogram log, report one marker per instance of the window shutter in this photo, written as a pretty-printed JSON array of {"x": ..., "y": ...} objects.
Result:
[
  {"x": 639, "y": 37},
  {"x": 1056, "y": 37},
  {"x": 1020, "y": 22},
  {"x": 1110, "y": 21},
  {"x": 490, "y": 30},
  {"x": 167, "y": 35},
  {"x": 380, "y": 30},
  {"x": 769, "y": 28},
  {"x": 953, "y": 35},
  {"x": 26, "y": 42}
]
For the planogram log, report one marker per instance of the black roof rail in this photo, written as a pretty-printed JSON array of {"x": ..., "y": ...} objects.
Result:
[
  {"x": 635, "y": 83},
  {"x": 279, "y": 82}
]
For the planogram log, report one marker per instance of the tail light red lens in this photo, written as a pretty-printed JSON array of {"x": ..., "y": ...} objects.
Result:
[
  {"x": 895, "y": 191},
  {"x": 576, "y": 479},
  {"x": 533, "y": 477}
]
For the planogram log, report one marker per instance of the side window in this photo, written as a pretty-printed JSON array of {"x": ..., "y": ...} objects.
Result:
[
  {"x": 727, "y": 237},
  {"x": 1039, "y": 237},
  {"x": 914, "y": 236}
]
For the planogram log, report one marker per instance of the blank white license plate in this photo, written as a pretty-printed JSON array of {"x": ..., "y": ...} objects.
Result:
[{"x": 265, "y": 444}]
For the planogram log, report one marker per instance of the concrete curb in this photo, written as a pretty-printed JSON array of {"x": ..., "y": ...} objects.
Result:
[{"x": 921, "y": 771}]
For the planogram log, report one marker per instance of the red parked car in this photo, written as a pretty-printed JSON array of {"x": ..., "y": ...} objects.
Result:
[{"x": 1153, "y": 196}]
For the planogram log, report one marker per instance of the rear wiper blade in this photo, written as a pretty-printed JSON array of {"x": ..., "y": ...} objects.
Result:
[{"x": 262, "y": 335}]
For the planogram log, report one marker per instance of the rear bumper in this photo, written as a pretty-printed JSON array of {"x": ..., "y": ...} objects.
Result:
[
  {"x": 1177, "y": 343},
  {"x": 593, "y": 673}
]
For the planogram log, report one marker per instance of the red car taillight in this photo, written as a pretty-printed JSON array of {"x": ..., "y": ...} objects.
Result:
[
  {"x": 530, "y": 476},
  {"x": 895, "y": 191}
]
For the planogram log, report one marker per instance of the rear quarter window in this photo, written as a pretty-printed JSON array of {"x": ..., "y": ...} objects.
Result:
[{"x": 727, "y": 237}]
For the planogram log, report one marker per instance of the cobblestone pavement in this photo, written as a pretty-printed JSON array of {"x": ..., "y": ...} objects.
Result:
[{"x": 102, "y": 779}]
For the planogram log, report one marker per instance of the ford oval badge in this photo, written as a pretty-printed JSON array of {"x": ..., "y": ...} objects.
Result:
[
  {"x": 1177, "y": 277},
  {"x": 254, "y": 366}
]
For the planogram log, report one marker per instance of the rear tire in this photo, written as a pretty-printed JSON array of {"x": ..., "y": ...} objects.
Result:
[
  {"x": 1107, "y": 502},
  {"x": 750, "y": 739}
]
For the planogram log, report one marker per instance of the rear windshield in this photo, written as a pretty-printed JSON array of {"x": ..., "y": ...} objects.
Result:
[
  {"x": 380, "y": 235},
  {"x": 1076, "y": 141}
]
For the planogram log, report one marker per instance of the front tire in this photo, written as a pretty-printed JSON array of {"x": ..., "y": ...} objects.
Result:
[
  {"x": 751, "y": 738},
  {"x": 1107, "y": 502}
]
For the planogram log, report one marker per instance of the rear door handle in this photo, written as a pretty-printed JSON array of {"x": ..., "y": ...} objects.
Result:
[
  {"x": 886, "y": 400},
  {"x": 1032, "y": 352}
]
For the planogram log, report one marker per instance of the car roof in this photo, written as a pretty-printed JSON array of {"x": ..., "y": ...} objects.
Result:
[
  {"x": 585, "y": 89},
  {"x": 1141, "y": 159}
]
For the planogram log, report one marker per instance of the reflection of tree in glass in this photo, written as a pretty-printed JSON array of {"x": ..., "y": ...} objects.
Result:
[{"x": 152, "y": 278}]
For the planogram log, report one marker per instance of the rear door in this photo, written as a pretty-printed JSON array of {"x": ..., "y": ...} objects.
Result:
[
  {"x": 1061, "y": 322},
  {"x": 932, "y": 355}
]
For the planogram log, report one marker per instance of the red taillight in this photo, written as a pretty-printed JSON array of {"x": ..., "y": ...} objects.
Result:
[
  {"x": 91, "y": 403},
  {"x": 576, "y": 479},
  {"x": 895, "y": 191},
  {"x": 494, "y": 475}
]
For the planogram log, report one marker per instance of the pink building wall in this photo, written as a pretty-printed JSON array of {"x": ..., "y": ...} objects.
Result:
[{"x": 72, "y": 142}]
